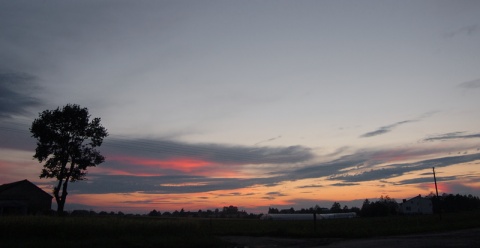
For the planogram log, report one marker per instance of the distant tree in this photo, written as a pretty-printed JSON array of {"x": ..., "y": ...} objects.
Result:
[
  {"x": 66, "y": 141},
  {"x": 336, "y": 208},
  {"x": 383, "y": 207},
  {"x": 230, "y": 210},
  {"x": 450, "y": 203},
  {"x": 273, "y": 211},
  {"x": 154, "y": 213},
  {"x": 355, "y": 209},
  {"x": 366, "y": 209},
  {"x": 167, "y": 213}
]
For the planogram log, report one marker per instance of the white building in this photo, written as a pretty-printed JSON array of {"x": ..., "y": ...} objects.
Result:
[
  {"x": 416, "y": 205},
  {"x": 309, "y": 216}
]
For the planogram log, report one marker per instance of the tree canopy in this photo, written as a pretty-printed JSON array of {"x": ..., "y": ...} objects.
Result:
[{"x": 66, "y": 141}]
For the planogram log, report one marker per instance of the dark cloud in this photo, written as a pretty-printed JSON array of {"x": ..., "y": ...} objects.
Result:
[
  {"x": 223, "y": 154},
  {"x": 310, "y": 186},
  {"x": 273, "y": 195},
  {"x": 332, "y": 171},
  {"x": 268, "y": 140},
  {"x": 389, "y": 128},
  {"x": 453, "y": 135},
  {"x": 396, "y": 170},
  {"x": 344, "y": 184},
  {"x": 385, "y": 129},
  {"x": 328, "y": 169},
  {"x": 425, "y": 180},
  {"x": 474, "y": 84},
  {"x": 458, "y": 188},
  {"x": 466, "y": 30},
  {"x": 14, "y": 135},
  {"x": 99, "y": 184},
  {"x": 16, "y": 94}
]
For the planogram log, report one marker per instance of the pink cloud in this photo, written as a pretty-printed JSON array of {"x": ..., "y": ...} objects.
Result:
[{"x": 184, "y": 165}]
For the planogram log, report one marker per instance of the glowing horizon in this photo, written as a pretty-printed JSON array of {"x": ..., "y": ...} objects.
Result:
[{"x": 266, "y": 104}]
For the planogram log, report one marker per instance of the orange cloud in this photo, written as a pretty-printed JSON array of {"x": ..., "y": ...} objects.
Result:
[
  {"x": 181, "y": 164},
  {"x": 185, "y": 165}
]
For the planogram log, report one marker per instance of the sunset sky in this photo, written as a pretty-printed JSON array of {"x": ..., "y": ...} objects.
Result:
[{"x": 255, "y": 104}]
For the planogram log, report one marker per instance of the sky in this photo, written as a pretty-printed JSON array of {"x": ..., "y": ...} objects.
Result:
[{"x": 255, "y": 104}]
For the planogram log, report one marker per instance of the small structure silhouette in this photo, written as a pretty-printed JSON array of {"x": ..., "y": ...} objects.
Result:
[
  {"x": 417, "y": 205},
  {"x": 23, "y": 197}
]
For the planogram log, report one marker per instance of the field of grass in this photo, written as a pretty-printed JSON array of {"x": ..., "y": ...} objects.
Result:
[{"x": 45, "y": 231}]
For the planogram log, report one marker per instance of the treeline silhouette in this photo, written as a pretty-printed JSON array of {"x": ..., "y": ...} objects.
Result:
[
  {"x": 384, "y": 206},
  {"x": 226, "y": 212},
  {"x": 449, "y": 203}
]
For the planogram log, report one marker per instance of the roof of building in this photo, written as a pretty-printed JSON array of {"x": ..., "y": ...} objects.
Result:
[{"x": 7, "y": 186}]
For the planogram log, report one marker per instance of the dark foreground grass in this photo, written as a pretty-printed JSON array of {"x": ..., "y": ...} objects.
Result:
[
  {"x": 89, "y": 232},
  {"x": 42, "y": 231},
  {"x": 349, "y": 228}
]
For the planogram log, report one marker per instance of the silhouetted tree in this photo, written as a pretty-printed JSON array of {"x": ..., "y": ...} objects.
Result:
[
  {"x": 355, "y": 209},
  {"x": 336, "y": 208},
  {"x": 273, "y": 211},
  {"x": 230, "y": 210},
  {"x": 366, "y": 210},
  {"x": 383, "y": 207},
  {"x": 450, "y": 203},
  {"x": 154, "y": 213},
  {"x": 66, "y": 141}
]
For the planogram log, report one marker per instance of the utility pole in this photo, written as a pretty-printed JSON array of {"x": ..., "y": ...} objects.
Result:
[
  {"x": 436, "y": 189},
  {"x": 435, "y": 180}
]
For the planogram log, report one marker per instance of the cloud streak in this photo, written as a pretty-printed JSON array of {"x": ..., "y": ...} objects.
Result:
[
  {"x": 452, "y": 136},
  {"x": 16, "y": 90},
  {"x": 217, "y": 153},
  {"x": 389, "y": 128},
  {"x": 395, "y": 170},
  {"x": 385, "y": 129},
  {"x": 343, "y": 172},
  {"x": 474, "y": 84},
  {"x": 466, "y": 30}
]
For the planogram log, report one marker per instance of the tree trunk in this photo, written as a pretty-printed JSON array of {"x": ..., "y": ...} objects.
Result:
[
  {"x": 56, "y": 194},
  {"x": 63, "y": 198}
]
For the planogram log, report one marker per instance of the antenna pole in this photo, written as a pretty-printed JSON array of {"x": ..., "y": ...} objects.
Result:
[
  {"x": 436, "y": 189},
  {"x": 435, "y": 180}
]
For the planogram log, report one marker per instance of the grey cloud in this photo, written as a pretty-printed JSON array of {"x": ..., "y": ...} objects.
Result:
[
  {"x": 16, "y": 136},
  {"x": 425, "y": 180},
  {"x": 310, "y": 186},
  {"x": 452, "y": 135},
  {"x": 466, "y": 30},
  {"x": 16, "y": 90},
  {"x": 151, "y": 184},
  {"x": 100, "y": 184},
  {"x": 272, "y": 195},
  {"x": 344, "y": 184},
  {"x": 389, "y": 128},
  {"x": 268, "y": 140},
  {"x": 458, "y": 188},
  {"x": 226, "y": 154},
  {"x": 329, "y": 168},
  {"x": 385, "y": 129},
  {"x": 474, "y": 84},
  {"x": 330, "y": 171},
  {"x": 395, "y": 170}
]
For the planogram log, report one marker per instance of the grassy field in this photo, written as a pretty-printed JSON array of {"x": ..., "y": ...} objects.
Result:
[{"x": 44, "y": 231}]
